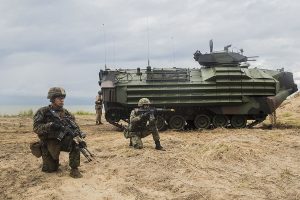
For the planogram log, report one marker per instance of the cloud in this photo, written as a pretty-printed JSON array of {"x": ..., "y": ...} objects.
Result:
[{"x": 49, "y": 43}]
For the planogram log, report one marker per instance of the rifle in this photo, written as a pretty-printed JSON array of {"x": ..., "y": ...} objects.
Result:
[
  {"x": 151, "y": 112},
  {"x": 69, "y": 127}
]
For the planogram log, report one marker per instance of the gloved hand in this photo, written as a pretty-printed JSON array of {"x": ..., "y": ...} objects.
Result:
[
  {"x": 82, "y": 134},
  {"x": 151, "y": 118},
  {"x": 55, "y": 126},
  {"x": 82, "y": 144},
  {"x": 145, "y": 115}
]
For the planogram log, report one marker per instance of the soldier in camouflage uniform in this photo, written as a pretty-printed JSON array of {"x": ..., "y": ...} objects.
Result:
[
  {"x": 48, "y": 130},
  {"x": 98, "y": 107},
  {"x": 142, "y": 125}
]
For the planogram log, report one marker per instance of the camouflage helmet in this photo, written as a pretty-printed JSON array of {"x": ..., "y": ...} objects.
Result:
[
  {"x": 56, "y": 92},
  {"x": 144, "y": 101}
]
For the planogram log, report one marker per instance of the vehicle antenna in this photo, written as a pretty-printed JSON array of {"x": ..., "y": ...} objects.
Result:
[
  {"x": 148, "y": 53},
  {"x": 173, "y": 51},
  {"x": 104, "y": 38},
  {"x": 211, "y": 46},
  {"x": 114, "y": 58}
]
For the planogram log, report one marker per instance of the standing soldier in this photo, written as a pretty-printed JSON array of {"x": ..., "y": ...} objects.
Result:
[
  {"x": 48, "y": 129},
  {"x": 98, "y": 107},
  {"x": 142, "y": 125}
]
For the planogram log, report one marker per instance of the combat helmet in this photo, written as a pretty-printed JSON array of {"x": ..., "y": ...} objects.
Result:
[
  {"x": 56, "y": 92},
  {"x": 144, "y": 101},
  {"x": 100, "y": 92}
]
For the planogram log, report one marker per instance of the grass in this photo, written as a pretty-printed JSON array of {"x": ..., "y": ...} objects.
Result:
[
  {"x": 81, "y": 112},
  {"x": 283, "y": 124},
  {"x": 287, "y": 114},
  {"x": 286, "y": 174},
  {"x": 6, "y": 115},
  {"x": 27, "y": 113}
]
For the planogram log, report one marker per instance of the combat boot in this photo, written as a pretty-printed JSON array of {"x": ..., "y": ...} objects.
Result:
[
  {"x": 75, "y": 173},
  {"x": 50, "y": 165},
  {"x": 158, "y": 146},
  {"x": 130, "y": 142}
]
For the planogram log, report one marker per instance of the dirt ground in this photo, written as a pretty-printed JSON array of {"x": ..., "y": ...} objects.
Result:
[{"x": 245, "y": 164}]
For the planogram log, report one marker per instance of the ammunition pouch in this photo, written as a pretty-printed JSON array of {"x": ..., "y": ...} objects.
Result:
[
  {"x": 53, "y": 134},
  {"x": 35, "y": 148}
]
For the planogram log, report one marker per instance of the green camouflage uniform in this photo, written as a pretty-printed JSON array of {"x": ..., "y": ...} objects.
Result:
[
  {"x": 51, "y": 147},
  {"x": 140, "y": 128},
  {"x": 98, "y": 108}
]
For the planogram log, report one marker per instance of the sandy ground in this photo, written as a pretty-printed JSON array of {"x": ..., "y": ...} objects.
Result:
[{"x": 247, "y": 164}]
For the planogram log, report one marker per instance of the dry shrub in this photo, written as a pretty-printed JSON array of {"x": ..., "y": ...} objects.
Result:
[
  {"x": 288, "y": 124},
  {"x": 226, "y": 152}
]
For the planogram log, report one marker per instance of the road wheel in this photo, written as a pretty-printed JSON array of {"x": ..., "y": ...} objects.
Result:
[
  {"x": 220, "y": 121},
  {"x": 238, "y": 121},
  {"x": 161, "y": 123},
  {"x": 113, "y": 115},
  {"x": 177, "y": 122},
  {"x": 202, "y": 121},
  {"x": 189, "y": 125}
]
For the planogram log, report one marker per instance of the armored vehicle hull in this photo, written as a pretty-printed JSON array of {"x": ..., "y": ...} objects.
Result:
[{"x": 218, "y": 95}]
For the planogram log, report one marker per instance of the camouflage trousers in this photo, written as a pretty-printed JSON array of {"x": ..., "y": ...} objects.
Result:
[
  {"x": 136, "y": 137},
  {"x": 50, "y": 154},
  {"x": 98, "y": 116}
]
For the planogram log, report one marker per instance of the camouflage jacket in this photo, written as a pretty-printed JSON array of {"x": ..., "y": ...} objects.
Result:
[
  {"x": 43, "y": 119},
  {"x": 138, "y": 124},
  {"x": 98, "y": 105}
]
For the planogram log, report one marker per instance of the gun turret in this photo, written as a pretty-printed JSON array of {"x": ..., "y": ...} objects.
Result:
[{"x": 221, "y": 57}]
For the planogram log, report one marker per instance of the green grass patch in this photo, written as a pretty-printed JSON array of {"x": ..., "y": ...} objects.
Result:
[
  {"x": 81, "y": 112},
  {"x": 27, "y": 113},
  {"x": 6, "y": 115},
  {"x": 287, "y": 114}
]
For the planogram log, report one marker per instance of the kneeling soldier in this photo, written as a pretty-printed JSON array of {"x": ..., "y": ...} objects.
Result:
[
  {"x": 141, "y": 125},
  {"x": 48, "y": 130}
]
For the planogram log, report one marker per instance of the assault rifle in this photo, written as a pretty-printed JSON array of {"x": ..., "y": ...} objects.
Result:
[
  {"x": 151, "y": 112},
  {"x": 69, "y": 127}
]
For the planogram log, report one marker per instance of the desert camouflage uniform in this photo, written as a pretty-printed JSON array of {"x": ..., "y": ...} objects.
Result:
[
  {"x": 98, "y": 108},
  {"x": 51, "y": 147},
  {"x": 140, "y": 128}
]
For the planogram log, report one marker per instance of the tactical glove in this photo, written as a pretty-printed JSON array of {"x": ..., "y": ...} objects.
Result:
[
  {"x": 151, "y": 118},
  {"x": 145, "y": 115},
  {"x": 82, "y": 134},
  {"x": 82, "y": 144},
  {"x": 56, "y": 126}
]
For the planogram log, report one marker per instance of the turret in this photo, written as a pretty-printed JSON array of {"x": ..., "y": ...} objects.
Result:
[{"x": 220, "y": 57}]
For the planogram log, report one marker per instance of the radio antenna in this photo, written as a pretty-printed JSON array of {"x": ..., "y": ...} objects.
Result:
[
  {"x": 114, "y": 59},
  {"x": 173, "y": 53},
  {"x": 148, "y": 53},
  {"x": 104, "y": 38}
]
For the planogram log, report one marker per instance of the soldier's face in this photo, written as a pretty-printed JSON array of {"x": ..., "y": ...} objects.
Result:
[
  {"x": 59, "y": 101},
  {"x": 146, "y": 106}
]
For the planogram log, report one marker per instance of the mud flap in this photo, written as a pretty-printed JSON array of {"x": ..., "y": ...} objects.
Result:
[{"x": 35, "y": 148}]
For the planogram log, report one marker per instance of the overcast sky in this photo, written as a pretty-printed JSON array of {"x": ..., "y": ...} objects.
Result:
[{"x": 63, "y": 43}]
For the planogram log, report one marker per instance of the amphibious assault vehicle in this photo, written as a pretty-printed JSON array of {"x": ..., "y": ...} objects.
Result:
[{"x": 223, "y": 92}]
